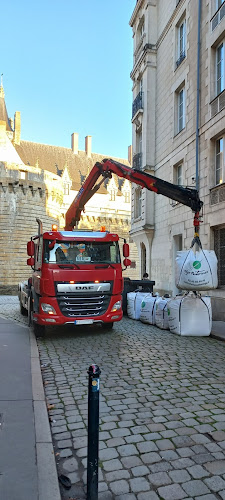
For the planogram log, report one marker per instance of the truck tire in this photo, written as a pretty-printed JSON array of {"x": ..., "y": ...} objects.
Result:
[
  {"x": 39, "y": 330},
  {"x": 23, "y": 310},
  {"x": 107, "y": 326}
]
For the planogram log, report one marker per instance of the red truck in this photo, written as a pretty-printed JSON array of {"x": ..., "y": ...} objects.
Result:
[{"x": 77, "y": 274}]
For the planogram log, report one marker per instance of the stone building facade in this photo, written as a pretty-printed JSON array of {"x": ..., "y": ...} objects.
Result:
[
  {"x": 41, "y": 181},
  {"x": 178, "y": 121}
]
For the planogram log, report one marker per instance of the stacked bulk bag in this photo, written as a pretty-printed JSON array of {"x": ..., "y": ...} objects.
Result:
[
  {"x": 196, "y": 270},
  {"x": 161, "y": 314},
  {"x": 190, "y": 314},
  {"x": 134, "y": 300},
  {"x": 148, "y": 306}
]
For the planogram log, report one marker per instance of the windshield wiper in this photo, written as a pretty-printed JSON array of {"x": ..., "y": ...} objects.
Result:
[
  {"x": 68, "y": 266},
  {"x": 103, "y": 266}
]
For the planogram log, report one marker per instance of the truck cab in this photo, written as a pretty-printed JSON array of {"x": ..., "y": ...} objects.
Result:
[{"x": 76, "y": 279}]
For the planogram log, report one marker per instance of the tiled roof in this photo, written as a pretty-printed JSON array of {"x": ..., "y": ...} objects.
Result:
[{"x": 55, "y": 159}]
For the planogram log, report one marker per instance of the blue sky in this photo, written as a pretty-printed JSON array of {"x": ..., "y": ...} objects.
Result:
[{"x": 66, "y": 67}]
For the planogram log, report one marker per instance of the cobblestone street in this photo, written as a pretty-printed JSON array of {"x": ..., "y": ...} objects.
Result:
[{"x": 162, "y": 409}]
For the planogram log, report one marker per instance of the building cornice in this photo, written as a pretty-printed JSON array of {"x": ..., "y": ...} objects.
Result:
[
  {"x": 148, "y": 49},
  {"x": 168, "y": 25}
]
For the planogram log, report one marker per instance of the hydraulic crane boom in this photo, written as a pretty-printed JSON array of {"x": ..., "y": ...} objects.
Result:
[{"x": 186, "y": 196}]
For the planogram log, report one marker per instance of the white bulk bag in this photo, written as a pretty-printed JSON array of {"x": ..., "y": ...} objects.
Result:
[
  {"x": 147, "y": 313},
  {"x": 134, "y": 300},
  {"x": 161, "y": 315},
  {"x": 190, "y": 314},
  {"x": 196, "y": 270}
]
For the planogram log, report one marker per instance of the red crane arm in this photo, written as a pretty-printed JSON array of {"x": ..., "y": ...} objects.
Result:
[{"x": 186, "y": 196}]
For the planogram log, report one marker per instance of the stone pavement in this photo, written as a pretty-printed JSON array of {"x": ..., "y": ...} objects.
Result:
[{"x": 162, "y": 411}]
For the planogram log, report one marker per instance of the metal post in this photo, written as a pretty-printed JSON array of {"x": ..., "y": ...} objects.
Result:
[{"x": 93, "y": 432}]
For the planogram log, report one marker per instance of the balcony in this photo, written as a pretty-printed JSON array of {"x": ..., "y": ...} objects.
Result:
[
  {"x": 137, "y": 104},
  {"x": 137, "y": 161}
]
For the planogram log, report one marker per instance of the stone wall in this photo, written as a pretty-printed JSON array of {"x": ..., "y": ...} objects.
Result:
[
  {"x": 39, "y": 195},
  {"x": 21, "y": 202}
]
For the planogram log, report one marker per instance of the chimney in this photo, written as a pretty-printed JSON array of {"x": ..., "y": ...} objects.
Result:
[
  {"x": 88, "y": 145},
  {"x": 17, "y": 128},
  {"x": 74, "y": 143},
  {"x": 130, "y": 154}
]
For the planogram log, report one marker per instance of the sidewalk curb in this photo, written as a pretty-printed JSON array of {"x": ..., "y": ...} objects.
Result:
[{"x": 48, "y": 485}]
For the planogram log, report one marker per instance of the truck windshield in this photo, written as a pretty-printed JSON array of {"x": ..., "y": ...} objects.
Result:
[{"x": 82, "y": 253}]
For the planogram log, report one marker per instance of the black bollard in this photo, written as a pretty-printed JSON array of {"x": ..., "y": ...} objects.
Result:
[{"x": 93, "y": 432}]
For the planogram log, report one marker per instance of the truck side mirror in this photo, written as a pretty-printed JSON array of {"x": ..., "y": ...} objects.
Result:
[
  {"x": 127, "y": 262},
  {"x": 30, "y": 261},
  {"x": 30, "y": 248},
  {"x": 52, "y": 244},
  {"x": 126, "y": 250}
]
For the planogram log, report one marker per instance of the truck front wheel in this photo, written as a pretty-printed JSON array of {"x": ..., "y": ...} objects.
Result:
[
  {"x": 39, "y": 330},
  {"x": 107, "y": 326}
]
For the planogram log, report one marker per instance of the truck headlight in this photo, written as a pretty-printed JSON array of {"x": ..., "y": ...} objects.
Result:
[
  {"x": 116, "y": 306},
  {"x": 46, "y": 308}
]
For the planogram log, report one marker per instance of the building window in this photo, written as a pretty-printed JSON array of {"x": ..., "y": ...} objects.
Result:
[
  {"x": 112, "y": 195},
  {"x": 219, "y": 246},
  {"x": 180, "y": 110},
  {"x": 220, "y": 69},
  {"x": 127, "y": 196},
  {"x": 66, "y": 188},
  {"x": 219, "y": 161},
  {"x": 141, "y": 29},
  {"x": 178, "y": 175},
  {"x": 219, "y": 3},
  {"x": 139, "y": 142},
  {"x": 137, "y": 203},
  {"x": 22, "y": 174},
  {"x": 181, "y": 42}
]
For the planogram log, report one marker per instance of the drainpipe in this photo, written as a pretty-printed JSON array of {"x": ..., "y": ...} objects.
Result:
[{"x": 198, "y": 97}]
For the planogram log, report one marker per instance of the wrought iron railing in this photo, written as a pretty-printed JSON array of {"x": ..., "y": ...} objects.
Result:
[
  {"x": 181, "y": 58},
  {"x": 218, "y": 16},
  {"x": 137, "y": 161},
  {"x": 137, "y": 104}
]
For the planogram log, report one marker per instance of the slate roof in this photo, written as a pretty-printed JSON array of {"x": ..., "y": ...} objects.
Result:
[
  {"x": 55, "y": 159},
  {"x": 4, "y": 115}
]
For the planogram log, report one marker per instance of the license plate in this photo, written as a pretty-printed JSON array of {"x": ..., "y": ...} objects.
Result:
[{"x": 83, "y": 321}]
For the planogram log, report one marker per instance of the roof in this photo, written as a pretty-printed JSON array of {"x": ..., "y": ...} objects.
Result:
[
  {"x": 55, "y": 159},
  {"x": 3, "y": 111}
]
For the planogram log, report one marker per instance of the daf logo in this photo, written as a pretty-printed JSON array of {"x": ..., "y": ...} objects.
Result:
[{"x": 84, "y": 287}]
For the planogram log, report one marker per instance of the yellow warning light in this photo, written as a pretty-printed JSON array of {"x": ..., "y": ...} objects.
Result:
[
  {"x": 72, "y": 282},
  {"x": 96, "y": 281},
  {"x": 102, "y": 229},
  {"x": 54, "y": 227}
]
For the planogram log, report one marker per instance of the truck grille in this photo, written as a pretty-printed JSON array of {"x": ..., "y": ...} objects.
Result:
[{"x": 85, "y": 305}]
